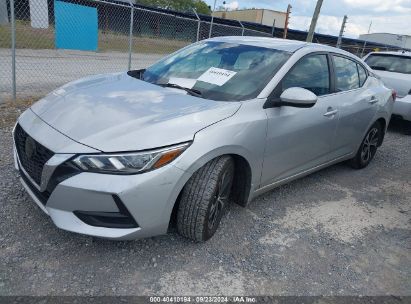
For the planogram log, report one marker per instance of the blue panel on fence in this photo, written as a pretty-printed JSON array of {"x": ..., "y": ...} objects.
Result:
[{"x": 76, "y": 26}]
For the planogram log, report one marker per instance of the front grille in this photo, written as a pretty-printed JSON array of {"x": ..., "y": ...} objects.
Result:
[
  {"x": 60, "y": 174},
  {"x": 32, "y": 155},
  {"x": 41, "y": 196}
]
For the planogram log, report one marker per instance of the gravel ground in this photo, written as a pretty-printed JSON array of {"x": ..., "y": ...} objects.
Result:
[{"x": 335, "y": 232}]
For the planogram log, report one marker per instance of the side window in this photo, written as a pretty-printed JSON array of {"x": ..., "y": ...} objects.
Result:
[
  {"x": 346, "y": 74},
  {"x": 310, "y": 73},
  {"x": 362, "y": 73}
]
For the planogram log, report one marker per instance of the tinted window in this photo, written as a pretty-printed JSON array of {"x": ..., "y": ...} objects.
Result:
[
  {"x": 346, "y": 74},
  {"x": 310, "y": 73},
  {"x": 363, "y": 75},
  {"x": 390, "y": 63}
]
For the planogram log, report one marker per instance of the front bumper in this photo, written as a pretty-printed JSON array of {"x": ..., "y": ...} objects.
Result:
[
  {"x": 148, "y": 198},
  {"x": 402, "y": 107}
]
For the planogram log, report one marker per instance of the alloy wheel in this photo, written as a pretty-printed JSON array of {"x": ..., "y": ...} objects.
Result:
[
  {"x": 370, "y": 145},
  {"x": 220, "y": 199}
]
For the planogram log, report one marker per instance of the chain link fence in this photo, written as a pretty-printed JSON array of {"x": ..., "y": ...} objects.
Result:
[
  {"x": 49, "y": 45},
  {"x": 56, "y": 41}
]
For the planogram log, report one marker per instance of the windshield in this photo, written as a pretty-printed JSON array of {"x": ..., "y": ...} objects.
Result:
[
  {"x": 390, "y": 63},
  {"x": 218, "y": 70}
]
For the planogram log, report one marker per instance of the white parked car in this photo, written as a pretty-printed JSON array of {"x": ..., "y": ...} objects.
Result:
[{"x": 394, "y": 68}]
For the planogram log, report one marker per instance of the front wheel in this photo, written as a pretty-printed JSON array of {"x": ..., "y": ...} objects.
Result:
[
  {"x": 205, "y": 198},
  {"x": 368, "y": 147}
]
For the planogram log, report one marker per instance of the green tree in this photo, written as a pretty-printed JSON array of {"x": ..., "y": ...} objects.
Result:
[
  {"x": 202, "y": 7},
  {"x": 179, "y": 5}
]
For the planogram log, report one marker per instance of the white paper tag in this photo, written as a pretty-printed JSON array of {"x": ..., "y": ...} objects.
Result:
[
  {"x": 183, "y": 82},
  {"x": 216, "y": 76}
]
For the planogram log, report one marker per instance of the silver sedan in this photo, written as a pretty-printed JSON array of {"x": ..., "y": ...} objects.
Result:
[{"x": 121, "y": 156}]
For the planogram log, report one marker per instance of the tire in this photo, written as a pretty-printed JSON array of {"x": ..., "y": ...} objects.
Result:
[
  {"x": 407, "y": 127},
  {"x": 205, "y": 198},
  {"x": 368, "y": 147}
]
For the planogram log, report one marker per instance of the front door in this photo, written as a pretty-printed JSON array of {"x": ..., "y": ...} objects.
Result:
[{"x": 299, "y": 139}]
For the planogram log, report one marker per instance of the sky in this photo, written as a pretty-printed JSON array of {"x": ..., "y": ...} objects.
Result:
[{"x": 387, "y": 16}]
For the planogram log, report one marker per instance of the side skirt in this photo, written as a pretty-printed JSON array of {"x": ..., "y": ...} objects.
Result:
[{"x": 299, "y": 175}]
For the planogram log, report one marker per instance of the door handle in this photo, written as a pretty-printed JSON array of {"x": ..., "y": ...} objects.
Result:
[
  {"x": 373, "y": 100},
  {"x": 331, "y": 113}
]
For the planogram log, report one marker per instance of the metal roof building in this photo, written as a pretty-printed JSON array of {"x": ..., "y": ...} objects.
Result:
[{"x": 402, "y": 41}]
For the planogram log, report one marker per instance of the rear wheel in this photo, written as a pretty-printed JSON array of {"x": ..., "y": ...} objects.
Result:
[
  {"x": 205, "y": 198},
  {"x": 368, "y": 147},
  {"x": 407, "y": 127}
]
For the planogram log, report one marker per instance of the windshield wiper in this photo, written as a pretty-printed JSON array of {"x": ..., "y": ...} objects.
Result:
[
  {"x": 192, "y": 92},
  {"x": 138, "y": 74},
  {"x": 379, "y": 68}
]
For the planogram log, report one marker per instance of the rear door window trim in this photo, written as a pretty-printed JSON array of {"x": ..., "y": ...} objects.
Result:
[{"x": 358, "y": 74}]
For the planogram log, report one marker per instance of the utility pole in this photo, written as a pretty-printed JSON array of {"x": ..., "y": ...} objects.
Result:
[
  {"x": 341, "y": 32},
  {"x": 365, "y": 41},
  {"x": 310, "y": 35},
  {"x": 287, "y": 18},
  {"x": 212, "y": 19}
]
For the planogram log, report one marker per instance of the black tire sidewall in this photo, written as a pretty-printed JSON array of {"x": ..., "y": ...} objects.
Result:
[
  {"x": 207, "y": 233},
  {"x": 407, "y": 127}
]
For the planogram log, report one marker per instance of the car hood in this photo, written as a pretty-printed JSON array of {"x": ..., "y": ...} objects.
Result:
[
  {"x": 116, "y": 112},
  {"x": 401, "y": 83}
]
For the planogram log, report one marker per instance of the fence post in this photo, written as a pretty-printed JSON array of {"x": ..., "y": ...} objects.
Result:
[
  {"x": 130, "y": 42},
  {"x": 13, "y": 48},
  {"x": 198, "y": 25},
  {"x": 242, "y": 27},
  {"x": 212, "y": 20}
]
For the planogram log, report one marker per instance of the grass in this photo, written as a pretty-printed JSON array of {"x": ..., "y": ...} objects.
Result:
[
  {"x": 31, "y": 38},
  {"x": 27, "y": 37}
]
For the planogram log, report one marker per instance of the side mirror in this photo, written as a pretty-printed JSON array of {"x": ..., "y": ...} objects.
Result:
[{"x": 297, "y": 97}]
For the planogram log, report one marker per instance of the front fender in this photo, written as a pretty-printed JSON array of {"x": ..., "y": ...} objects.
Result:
[{"x": 243, "y": 134}]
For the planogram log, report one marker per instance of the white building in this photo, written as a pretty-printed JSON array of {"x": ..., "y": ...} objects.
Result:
[{"x": 402, "y": 41}]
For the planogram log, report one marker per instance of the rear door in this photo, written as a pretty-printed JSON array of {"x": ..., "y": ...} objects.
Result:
[{"x": 356, "y": 98}]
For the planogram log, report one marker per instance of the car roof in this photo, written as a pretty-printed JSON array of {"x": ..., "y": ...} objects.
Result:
[
  {"x": 396, "y": 53},
  {"x": 279, "y": 44}
]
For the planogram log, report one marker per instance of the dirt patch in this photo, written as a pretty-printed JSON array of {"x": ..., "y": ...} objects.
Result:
[
  {"x": 346, "y": 220},
  {"x": 11, "y": 110}
]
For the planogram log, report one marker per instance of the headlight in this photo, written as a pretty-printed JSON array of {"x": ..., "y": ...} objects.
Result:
[{"x": 129, "y": 163}]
